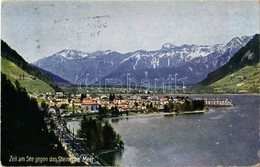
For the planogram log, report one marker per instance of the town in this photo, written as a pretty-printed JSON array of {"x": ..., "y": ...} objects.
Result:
[
  {"x": 116, "y": 105},
  {"x": 112, "y": 105}
]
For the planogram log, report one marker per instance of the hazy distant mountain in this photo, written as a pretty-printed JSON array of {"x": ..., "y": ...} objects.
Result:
[
  {"x": 57, "y": 80},
  {"x": 191, "y": 61},
  {"x": 246, "y": 58},
  {"x": 74, "y": 65}
]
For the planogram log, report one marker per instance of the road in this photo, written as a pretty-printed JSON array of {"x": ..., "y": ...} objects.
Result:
[{"x": 76, "y": 153}]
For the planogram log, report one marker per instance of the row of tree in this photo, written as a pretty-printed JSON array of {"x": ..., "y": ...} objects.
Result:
[
  {"x": 99, "y": 136},
  {"x": 113, "y": 111},
  {"x": 188, "y": 105},
  {"x": 112, "y": 97}
]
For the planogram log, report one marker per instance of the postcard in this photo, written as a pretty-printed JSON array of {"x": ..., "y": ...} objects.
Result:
[{"x": 130, "y": 83}]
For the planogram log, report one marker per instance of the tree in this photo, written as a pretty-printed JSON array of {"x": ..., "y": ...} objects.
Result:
[
  {"x": 171, "y": 106},
  {"x": 17, "y": 85},
  {"x": 82, "y": 97},
  {"x": 69, "y": 100},
  {"x": 147, "y": 106},
  {"x": 112, "y": 97},
  {"x": 198, "y": 104},
  {"x": 82, "y": 132},
  {"x": 44, "y": 105},
  {"x": 109, "y": 136},
  {"x": 118, "y": 142},
  {"x": 63, "y": 106},
  {"x": 166, "y": 108},
  {"x": 116, "y": 111},
  {"x": 136, "y": 105},
  {"x": 192, "y": 106},
  {"x": 100, "y": 110},
  {"x": 151, "y": 105},
  {"x": 177, "y": 107},
  {"x": 120, "y": 97},
  {"x": 93, "y": 142},
  {"x": 186, "y": 105}
]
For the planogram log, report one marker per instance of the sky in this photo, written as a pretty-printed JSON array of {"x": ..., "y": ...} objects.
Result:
[{"x": 36, "y": 29}]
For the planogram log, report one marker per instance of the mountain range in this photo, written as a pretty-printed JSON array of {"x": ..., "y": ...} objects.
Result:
[{"x": 192, "y": 62}]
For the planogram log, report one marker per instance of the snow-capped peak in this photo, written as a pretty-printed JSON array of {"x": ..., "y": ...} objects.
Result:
[
  {"x": 71, "y": 54},
  {"x": 167, "y": 46},
  {"x": 233, "y": 43},
  {"x": 236, "y": 40},
  {"x": 98, "y": 53}
]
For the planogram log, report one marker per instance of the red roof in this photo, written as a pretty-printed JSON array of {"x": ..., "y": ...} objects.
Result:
[
  {"x": 164, "y": 99},
  {"x": 89, "y": 103},
  {"x": 76, "y": 101}
]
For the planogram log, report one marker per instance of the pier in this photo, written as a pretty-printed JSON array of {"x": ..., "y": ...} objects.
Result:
[{"x": 218, "y": 102}]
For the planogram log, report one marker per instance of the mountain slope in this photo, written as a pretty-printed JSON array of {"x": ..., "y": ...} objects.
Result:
[
  {"x": 29, "y": 82},
  {"x": 9, "y": 54},
  {"x": 244, "y": 80},
  {"x": 191, "y": 61},
  {"x": 246, "y": 56},
  {"x": 57, "y": 80}
]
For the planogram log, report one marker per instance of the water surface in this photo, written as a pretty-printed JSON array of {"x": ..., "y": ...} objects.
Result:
[{"x": 222, "y": 136}]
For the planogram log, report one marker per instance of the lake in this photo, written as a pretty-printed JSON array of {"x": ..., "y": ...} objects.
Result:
[{"x": 223, "y": 136}]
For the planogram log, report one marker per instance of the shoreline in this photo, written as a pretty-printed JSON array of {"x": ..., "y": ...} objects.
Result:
[
  {"x": 143, "y": 115},
  {"x": 157, "y": 114}
]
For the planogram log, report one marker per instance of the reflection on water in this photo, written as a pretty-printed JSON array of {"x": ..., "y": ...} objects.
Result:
[
  {"x": 112, "y": 159},
  {"x": 115, "y": 120},
  {"x": 217, "y": 117}
]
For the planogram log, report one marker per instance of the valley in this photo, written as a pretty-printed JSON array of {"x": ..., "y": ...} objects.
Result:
[{"x": 127, "y": 83}]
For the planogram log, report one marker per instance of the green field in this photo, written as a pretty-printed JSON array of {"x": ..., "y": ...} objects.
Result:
[
  {"x": 31, "y": 84},
  {"x": 245, "y": 80}
]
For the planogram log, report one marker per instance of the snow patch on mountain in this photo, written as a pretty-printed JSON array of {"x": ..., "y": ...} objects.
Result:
[
  {"x": 138, "y": 57},
  {"x": 71, "y": 54},
  {"x": 69, "y": 63},
  {"x": 167, "y": 46}
]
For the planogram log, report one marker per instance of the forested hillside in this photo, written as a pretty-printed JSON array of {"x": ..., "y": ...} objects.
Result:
[
  {"x": 23, "y": 130},
  {"x": 8, "y": 53}
]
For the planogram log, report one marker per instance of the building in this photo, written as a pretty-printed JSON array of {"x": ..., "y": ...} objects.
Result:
[{"x": 90, "y": 106}]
